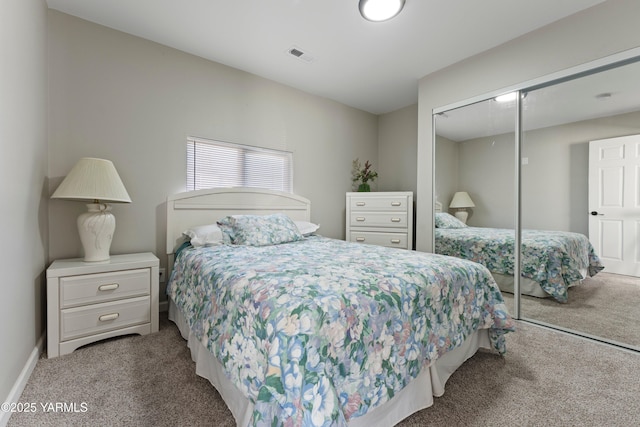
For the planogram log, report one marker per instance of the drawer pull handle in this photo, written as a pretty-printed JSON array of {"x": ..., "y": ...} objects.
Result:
[
  {"x": 360, "y": 218},
  {"x": 107, "y": 317},
  {"x": 395, "y": 219},
  {"x": 395, "y": 241},
  {"x": 359, "y": 239},
  {"x": 396, "y": 203},
  {"x": 109, "y": 287},
  {"x": 360, "y": 203}
]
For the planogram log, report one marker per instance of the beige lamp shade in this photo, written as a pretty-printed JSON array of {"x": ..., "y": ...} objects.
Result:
[
  {"x": 461, "y": 200},
  {"x": 93, "y": 179},
  {"x": 96, "y": 181}
]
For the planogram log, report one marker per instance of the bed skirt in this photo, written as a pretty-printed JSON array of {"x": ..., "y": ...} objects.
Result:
[
  {"x": 527, "y": 286},
  {"x": 414, "y": 397}
]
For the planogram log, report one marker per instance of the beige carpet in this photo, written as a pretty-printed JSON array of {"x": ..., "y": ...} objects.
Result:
[
  {"x": 546, "y": 379},
  {"x": 606, "y": 305}
]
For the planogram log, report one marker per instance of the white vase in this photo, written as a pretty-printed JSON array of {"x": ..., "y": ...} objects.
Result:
[{"x": 96, "y": 229}]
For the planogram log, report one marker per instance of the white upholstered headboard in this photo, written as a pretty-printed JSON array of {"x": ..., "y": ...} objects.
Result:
[
  {"x": 202, "y": 207},
  {"x": 437, "y": 206}
]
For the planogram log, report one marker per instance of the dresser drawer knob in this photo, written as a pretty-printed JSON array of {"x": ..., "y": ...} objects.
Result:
[
  {"x": 395, "y": 219},
  {"x": 107, "y": 317},
  {"x": 396, "y": 203},
  {"x": 360, "y": 203},
  {"x": 109, "y": 287},
  {"x": 360, "y": 218},
  {"x": 360, "y": 239},
  {"x": 395, "y": 241}
]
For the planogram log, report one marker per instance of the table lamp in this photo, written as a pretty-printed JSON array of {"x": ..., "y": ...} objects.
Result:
[
  {"x": 97, "y": 181},
  {"x": 461, "y": 202}
]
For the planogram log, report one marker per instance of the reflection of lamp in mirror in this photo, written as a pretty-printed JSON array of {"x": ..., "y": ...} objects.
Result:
[
  {"x": 94, "y": 180},
  {"x": 461, "y": 202}
]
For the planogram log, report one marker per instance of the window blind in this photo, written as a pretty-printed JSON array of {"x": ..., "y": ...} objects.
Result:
[{"x": 214, "y": 164}]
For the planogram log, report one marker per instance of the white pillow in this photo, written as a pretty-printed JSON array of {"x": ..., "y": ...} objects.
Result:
[
  {"x": 306, "y": 228},
  {"x": 204, "y": 235}
]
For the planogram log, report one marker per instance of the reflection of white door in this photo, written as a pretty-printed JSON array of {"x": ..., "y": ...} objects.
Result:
[{"x": 614, "y": 203}]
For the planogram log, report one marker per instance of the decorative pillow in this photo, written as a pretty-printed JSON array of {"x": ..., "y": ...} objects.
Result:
[
  {"x": 306, "y": 228},
  {"x": 445, "y": 220},
  {"x": 261, "y": 230},
  {"x": 204, "y": 235},
  {"x": 226, "y": 225}
]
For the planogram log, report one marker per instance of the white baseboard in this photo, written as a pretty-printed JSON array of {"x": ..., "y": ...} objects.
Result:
[{"x": 21, "y": 381}]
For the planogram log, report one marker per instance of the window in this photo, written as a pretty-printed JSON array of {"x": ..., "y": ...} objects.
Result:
[{"x": 213, "y": 164}]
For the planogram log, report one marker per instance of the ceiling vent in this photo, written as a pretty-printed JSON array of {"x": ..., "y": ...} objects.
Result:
[{"x": 296, "y": 52}]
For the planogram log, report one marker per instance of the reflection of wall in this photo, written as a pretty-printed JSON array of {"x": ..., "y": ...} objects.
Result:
[
  {"x": 446, "y": 170},
  {"x": 486, "y": 173},
  {"x": 483, "y": 167},
  {"x": 554, "y": 181}
]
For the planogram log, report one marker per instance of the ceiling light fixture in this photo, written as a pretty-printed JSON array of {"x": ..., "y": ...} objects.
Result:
[
  {"x": 380, "y": 10},
  {"x": 508, "y": 97}
]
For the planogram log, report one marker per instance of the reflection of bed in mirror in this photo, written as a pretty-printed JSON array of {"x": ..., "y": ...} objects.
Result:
[
  {"x": 318, "y": 331},
  {"x": 552, "y": 261}
]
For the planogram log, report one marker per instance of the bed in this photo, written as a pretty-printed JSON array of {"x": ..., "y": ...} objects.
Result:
[
  {"x": 317, "y": 331},
  {"x": 552, "y": 261}
]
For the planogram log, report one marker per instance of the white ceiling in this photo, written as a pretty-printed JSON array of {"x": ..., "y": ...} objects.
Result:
[{"x": 371, "y": 66}]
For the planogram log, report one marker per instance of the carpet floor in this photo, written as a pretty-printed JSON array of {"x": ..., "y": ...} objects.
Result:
[
  {"x": 546, "y": 379},
  {"x": 606, "y": 305}
]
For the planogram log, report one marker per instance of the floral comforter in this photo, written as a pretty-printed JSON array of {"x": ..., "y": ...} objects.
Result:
[
  {"x": 551, "y": 258},
  {"x": 319, "y": 331}
]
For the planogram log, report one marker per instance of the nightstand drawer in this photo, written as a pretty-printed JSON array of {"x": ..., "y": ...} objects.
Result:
[
  {"x": 93, "y": 319},
  {"x": 378, "y": 219},
  {"x": 392, "y": 240},
  {"x": 103, "y": 287},
  {"x": 386, "y": 203}
]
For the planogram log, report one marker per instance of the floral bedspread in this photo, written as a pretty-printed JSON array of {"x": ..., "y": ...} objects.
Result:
[
  {"x": 319, "y": 331},
  {"x": 551, "y": 258}
]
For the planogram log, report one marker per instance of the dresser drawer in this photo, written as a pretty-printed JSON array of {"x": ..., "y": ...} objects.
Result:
[
  {"x": 386, "y": 203},
  {"x": 392, "y": 240},
  {"x": 378, "y": 219},
  {"x": 102, "y": 287},
  {"x": 92, "y": 319}
]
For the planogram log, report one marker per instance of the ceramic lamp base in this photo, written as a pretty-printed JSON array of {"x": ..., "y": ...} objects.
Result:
[
  {"x": 96, "y": 229},
  {"x": 462, "y": 215}
]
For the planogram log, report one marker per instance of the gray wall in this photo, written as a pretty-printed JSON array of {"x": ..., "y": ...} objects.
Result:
[
  {"x": 397, "y": 139},
  {"x": 23, "y": 167},
  {"x": 135, "y": 102},
  {"x": 602, "y": 30}
]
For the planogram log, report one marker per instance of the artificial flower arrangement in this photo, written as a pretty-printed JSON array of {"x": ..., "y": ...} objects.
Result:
[{"x": 363, "y": 174}]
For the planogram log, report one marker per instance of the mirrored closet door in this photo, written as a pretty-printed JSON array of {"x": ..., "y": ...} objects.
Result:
[
  {"x": 575, "y": 163},
  {"x": 558, "y": 168},
  {"x": 475, "y": 183}
]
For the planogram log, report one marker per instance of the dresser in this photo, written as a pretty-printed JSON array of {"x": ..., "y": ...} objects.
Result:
[
  {"x": 91, "y": 301},
  {"x": 380, "y": 218}
]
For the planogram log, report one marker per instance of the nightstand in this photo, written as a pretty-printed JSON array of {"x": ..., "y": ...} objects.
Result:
[{"x": 91, "y": 301}]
